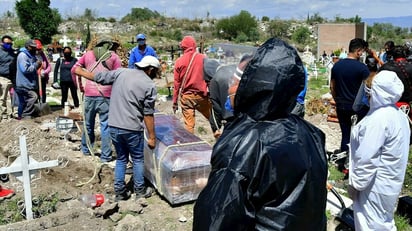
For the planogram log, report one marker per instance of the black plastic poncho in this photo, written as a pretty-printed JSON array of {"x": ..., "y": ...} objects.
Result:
[{"x": 269, "y": 168}]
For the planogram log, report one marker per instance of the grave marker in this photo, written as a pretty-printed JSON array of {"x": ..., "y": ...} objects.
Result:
[{"x": 23, "y": 167}]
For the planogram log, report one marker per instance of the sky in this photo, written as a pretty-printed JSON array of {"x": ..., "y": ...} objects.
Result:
[{"x": 283, "y": 9}]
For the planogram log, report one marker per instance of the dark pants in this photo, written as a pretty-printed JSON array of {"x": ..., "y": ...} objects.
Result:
[
  {"x": 44, "y": 82},
  {"x": 27, "y": 101},
  {"x": 65, "y": 87}
]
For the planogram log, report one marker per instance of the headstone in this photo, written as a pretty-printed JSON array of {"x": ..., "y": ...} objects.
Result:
[{"x": 23, "y": 167}]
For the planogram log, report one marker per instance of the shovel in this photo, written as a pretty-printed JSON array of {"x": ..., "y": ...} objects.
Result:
[
  {"x": 345, "y": 216},
  {"x": 43, "y": 109}
]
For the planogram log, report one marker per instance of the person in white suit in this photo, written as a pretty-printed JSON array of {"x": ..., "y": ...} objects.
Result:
[{"x": 379, "y": 147}]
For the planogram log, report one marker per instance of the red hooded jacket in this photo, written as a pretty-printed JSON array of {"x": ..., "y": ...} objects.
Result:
[{"x": 194, "y": 82}]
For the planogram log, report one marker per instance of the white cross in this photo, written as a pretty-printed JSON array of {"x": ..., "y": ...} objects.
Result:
[
  {"x": 25, "y": 165},
  {"x": 65, "y": 40}
]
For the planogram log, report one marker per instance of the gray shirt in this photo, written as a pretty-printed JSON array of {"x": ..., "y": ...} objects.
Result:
[{"x": 133, "y": 96}]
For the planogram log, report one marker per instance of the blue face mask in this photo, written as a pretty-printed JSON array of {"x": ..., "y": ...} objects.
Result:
[
  {"x": 7, "y": 46},
  {"x": 228, "y": 104}
]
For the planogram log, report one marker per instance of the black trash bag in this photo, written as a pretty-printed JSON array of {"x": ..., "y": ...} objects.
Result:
[
  {"x": 269, "y": 168},
  {"x": 209, "y": 68}
]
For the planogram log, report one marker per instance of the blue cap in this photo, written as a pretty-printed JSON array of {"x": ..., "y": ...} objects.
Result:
[{"x": 140, "y": 36}]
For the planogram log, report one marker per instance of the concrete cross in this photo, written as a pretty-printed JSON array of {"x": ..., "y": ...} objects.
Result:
[
  {"x": 22, "y": 168},
  {"x": 65, "y": 40}
]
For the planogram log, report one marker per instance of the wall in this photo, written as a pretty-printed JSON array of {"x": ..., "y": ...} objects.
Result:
[{"x": 333, "y": 36}]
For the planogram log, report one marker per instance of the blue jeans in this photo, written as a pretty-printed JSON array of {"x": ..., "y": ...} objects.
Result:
[
  {"x": 128, "y": 142},
  {"x": 93, "y": 106}
]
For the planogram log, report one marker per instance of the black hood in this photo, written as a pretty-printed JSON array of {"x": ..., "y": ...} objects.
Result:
[{"x": 271, "y": 81}]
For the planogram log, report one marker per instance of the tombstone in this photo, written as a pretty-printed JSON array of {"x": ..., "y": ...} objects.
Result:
[
  {"x": 65, "y": 41},
  {"x": 23, "y": 167}
]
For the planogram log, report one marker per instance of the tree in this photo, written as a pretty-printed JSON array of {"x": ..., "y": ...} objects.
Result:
[
  {"x": 301, "y": 35},
  {"x": 279, "y": 29},
  {"x": 231, "y": 28},
  {"x": 37, "y": 19},
  {"x": 140, "y": 14}
]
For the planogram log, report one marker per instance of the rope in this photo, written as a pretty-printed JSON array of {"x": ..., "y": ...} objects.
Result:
[{"x": 97, "y": 166}]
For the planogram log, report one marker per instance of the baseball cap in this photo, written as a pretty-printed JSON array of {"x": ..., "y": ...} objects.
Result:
[
  {"x": 30, "y": 43},
  {"x": 39, "y": 46},
  {"x": 148, "y": 61},
  {"x": 140, "y": 36}
]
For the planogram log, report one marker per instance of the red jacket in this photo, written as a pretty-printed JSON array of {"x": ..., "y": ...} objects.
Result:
[{"x": 194, "y": 82}]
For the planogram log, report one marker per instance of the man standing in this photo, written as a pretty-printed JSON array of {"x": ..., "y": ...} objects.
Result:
[
  {"x": 26, "y": 80},
  {"x": 189, "y": 84},
  {"x": 132, "y": 102},
  {"x": 140, "y": 51},
  {"x": 6, "y": 58},
  {"x": 346, "y": 77},
  {"x": 97, "y": 97}
]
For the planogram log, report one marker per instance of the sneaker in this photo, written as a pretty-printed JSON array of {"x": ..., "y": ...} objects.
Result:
[
  {"x": 123, "y": 196},
  {"x": 5, "y": 193},
  {"x": 145, "y": 192}
]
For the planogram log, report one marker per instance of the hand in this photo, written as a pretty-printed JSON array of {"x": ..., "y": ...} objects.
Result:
[
  {"x": 175, "y": 108},
  {"x": 151, "y": 142},
  {"x": 217, "y": 134}
]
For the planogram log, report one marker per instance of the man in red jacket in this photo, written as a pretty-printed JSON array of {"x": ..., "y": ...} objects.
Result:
[{"x": 189, "y": 84}]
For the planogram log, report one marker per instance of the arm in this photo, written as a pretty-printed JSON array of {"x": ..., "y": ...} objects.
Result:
[
  {"x": 46, "y": 65},
  {"x": 132, "y": 59},
  {"x": 84, "y": 73},
  {"x": 56, "y": 70},
  {"x": 149, "y": 122},
  {"x": 176, "y": 83},
  {"x": 26, "y": 66},
  {"x": 365, "y": 157},
  {"x": 333, "y": 88}
]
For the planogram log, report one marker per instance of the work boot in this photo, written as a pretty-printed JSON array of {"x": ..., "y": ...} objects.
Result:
[
  {"x": 5, "y": 193},
  {"x": 122, "y": 196},
  {"x": 144, "y": 192}
]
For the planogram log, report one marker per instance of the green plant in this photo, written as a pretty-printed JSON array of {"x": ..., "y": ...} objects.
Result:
[{"x": 402, "y": 223}]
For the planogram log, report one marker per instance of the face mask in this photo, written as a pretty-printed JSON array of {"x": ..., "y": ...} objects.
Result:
[
  {"x": 67, "y": 55},
  {"x": 7, "y": 46},
  {"x": 141, "y": 42},
  {"x": 153, "y": 73},
  {"x": 228, "y": 104}
]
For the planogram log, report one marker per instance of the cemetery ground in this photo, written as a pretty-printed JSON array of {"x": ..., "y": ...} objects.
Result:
[{"x": 56, "y": 190}]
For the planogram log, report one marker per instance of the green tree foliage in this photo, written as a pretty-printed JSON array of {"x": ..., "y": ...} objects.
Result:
[
  {"x": 89, "y": 14},
  {"x": 314, "y": 19},
  {"x": 379, "y": 33},
  {"x": 265, "y": 19},
  {"x": 37, "y": 19},
  {"x": 140, "y": 14},
  {"x": 279, "y": 28},
  {"x": 231, "y": 28},
  {"x": 301, "y": 35}
]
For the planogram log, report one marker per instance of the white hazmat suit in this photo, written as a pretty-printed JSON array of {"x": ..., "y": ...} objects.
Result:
[{"x": 379, "y": 147}]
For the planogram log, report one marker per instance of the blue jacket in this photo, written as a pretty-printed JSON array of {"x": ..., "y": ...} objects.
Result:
[
  {"x": 27, "y": 66},
  {"x": 136, "y": 55},
  {"x": 6, "y": 58}
]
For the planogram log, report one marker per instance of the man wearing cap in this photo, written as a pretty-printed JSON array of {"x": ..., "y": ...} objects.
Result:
[
  {"x": 97, "y": 97},
  {"x": 7, "y": 56},
  {"x": 132, "y": 102},
  {"x": 140, "y": 51},
  {"x": 26, "y": 80}
]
